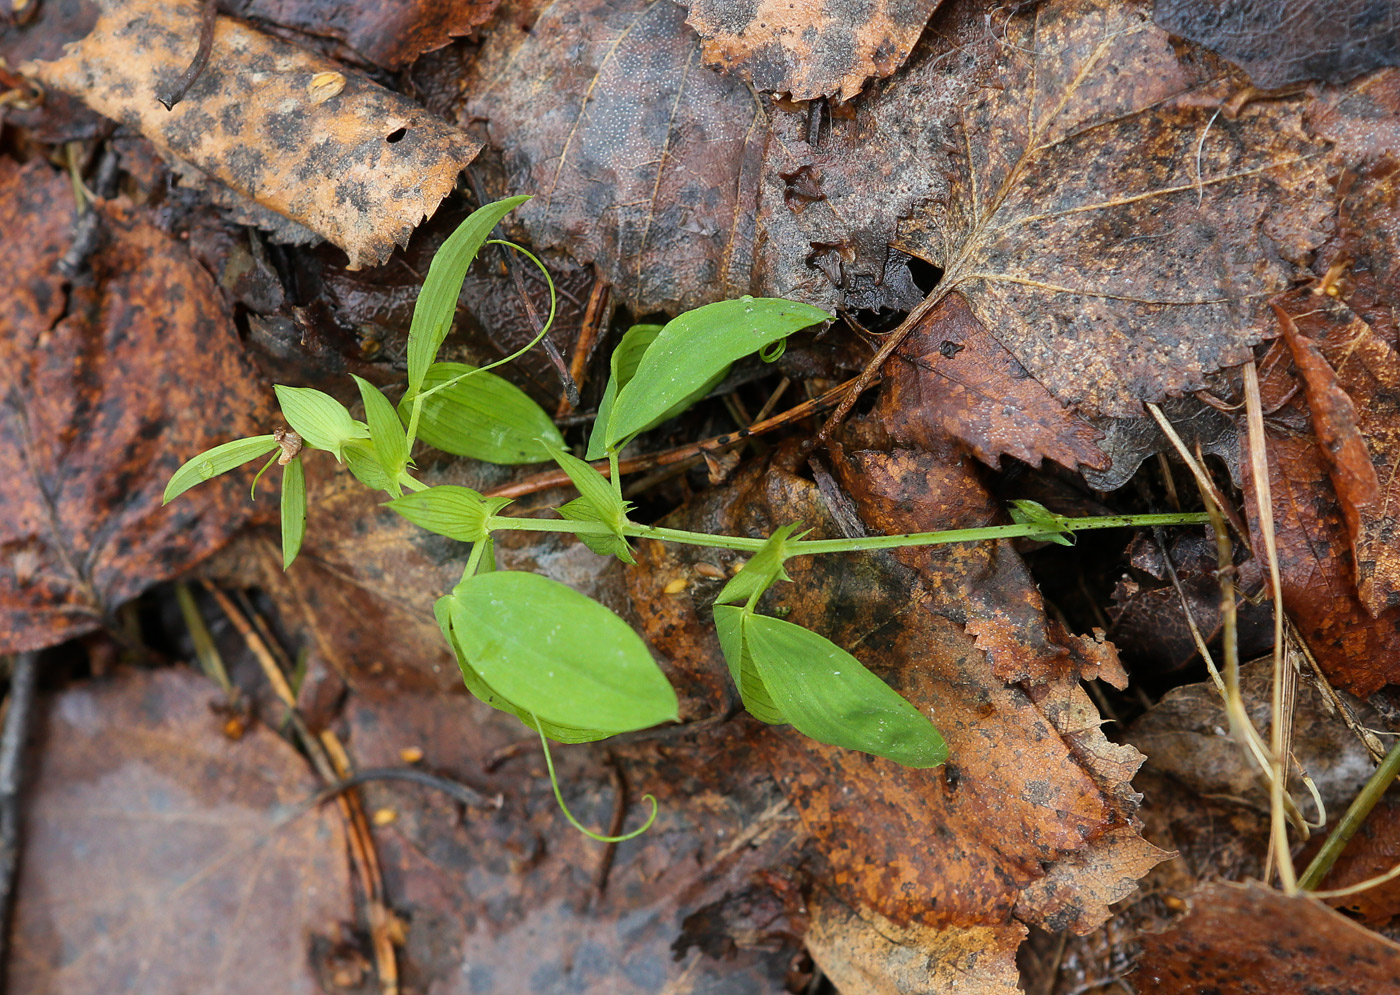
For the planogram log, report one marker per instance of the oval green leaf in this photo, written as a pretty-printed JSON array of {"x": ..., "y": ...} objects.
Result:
[
  {"x": 829, "y": 695},
  {"x": 442, "y": 611},
  {"x": 456, "y": 512},
  {"x": 212, "y": 462},
  {"x": 482, "y": 417},
  {"x": 729, "y": 625},
  {"x": 320, "y": 420},
  {"x": 437, "y": 301},
  {"x": 693, "y": 348},
  {"x": 385, "y": 430},
  {"x": 293, "y": 510},
  {"x": 554, "y": 652}
]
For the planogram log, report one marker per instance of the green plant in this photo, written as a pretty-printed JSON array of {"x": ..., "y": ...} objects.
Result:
[{"x": 565, "y": 665}]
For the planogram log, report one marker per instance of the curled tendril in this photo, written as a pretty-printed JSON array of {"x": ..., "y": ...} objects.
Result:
[
  {"x": 773, "y": 351},
  {"x": 559, "y": 797}
]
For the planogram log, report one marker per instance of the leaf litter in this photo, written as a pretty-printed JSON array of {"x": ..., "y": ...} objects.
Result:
[{"x": 1109, "y": 228}]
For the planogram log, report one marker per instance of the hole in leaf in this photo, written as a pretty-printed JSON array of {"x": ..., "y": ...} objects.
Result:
[
  {"x": 396, "y": 135},
  {"x": 926, "y": 275}
]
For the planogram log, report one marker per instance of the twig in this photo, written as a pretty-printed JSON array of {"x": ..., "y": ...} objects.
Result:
[
  {"x": 593, "y": 316},
  {"x": 557, "y": 478},
  {"x": 1361, "y": 806},
  {"x": 19, "y": 710},
  {"x": 172, "y": 93},
  {"x": 619, "y": 817},
  {"x": 465, "y": 794}
]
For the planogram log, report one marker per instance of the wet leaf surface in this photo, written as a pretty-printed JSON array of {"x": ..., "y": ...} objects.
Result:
[
  {"x": 109, "y": 384},
  {"x": 159, "y": 855},
  {"x": 807, "y": 51},
  {"x": 389, "y": 33},
  {"x": 360, "y": 168},
  {"x": 606, "y": 111},
  {"x": 1246, "y": 939},
  {"x": 1278, "y": 44}
]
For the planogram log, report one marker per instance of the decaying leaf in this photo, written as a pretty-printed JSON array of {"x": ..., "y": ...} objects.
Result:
[
  {"x": 1282, "y": 43},
  {"x": 108, "y": 386},
  {"x": 1252, "y": 940},
  {"x": 158, "y": 856},
  {"x": 1031, "y": 783},
  {"x": 1373, "y": 851},
  {"x": 389, "y": 33},
  {"x": 361, "y": 169},
  {"x": 809, "y": 50},
  {"x": 642, "y": 160}
]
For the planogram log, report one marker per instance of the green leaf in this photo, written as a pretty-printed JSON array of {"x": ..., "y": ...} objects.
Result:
[
  {"x": 482, "y": 691},
  {"x": 693, "y": 347},
  {"x": 385, "y": 431},
  {"x": 360, "y": 458},
  {"x": 729, "y": 625},
  {"x": 437, "y": 301},
  {"x": 456, "y": 512},
  {"x": 320, "y": 420},
  {"x": 580, "y": 510},
  {"x": 1056, "y": 527},
  {"x": 482, "y": 417},
  {"x": 598, "y": 502},
  {"x": 828, "y": 694},
  {"x": 293, "y": 510},
  {"x": 554, "y": 652},
  {"x": 763, "y": 570},
  {"x": 220, "y": 459},
  {"x": 625, "y": 360}
]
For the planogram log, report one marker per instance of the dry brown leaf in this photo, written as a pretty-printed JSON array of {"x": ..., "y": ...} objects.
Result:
[
  {"x": 157, "y": 855},
  {"x": 1119, "y": 247},
  {"x": 389, "y": 33},
  {"x": 811, "y": 49},
  {"x": 1372, "y": 852},
  {"x": 1252, "y": 940},
  {"x": 1282, "y": 43},
  {"x": 361, "y": 169},
  {"x": 642, "y": 160},
  {"x": 109, "y": 385}
]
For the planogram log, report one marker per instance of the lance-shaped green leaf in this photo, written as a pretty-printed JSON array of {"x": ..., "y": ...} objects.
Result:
[
  {"x": 482, "y": 417},
  {"x": 213, "y": 462},
  {"x": 623, "y": 366},
  {"x": 482, "y": 691},
  {"x": 598, "y": 502},
  {"x": 386, "y": 432},
  {"x": 293, "y": 510},
  {"x": 729, "y": 625},
  {"x": 320, "y": 420},
  {"x": 437, "y": 301},
  {"x": 456, "y": 512},
  {"x": 763, "y": 570},
  {"x": 693, "y": 347},
  {"x": 829, "y": 695},
  {"x": 1056, "y": 527},
  {"x": 554, "y": 652},
  {"x": 363, "y": 463}
]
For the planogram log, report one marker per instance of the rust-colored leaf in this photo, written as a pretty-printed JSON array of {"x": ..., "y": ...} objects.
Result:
[
  {"x": 1032, "y": 816},
  {"x": 389, "y": 33},
  {"x": 1282, "y": 43},
  {"x": 957, "y": 382},
  {"x": 1252, "y": 940},
  {"x": 157, "y": 855},
  {"x": 643, "y": 161},
  {"x": 361, "y": 169},
  {"x": 809, "y": 50},
  {"x": 108, "y": 386},
  {"x": 1373, "y": 851}
]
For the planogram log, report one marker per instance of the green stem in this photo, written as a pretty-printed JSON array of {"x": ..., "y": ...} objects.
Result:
[
  {"x": 559, "y": 797},
  {"x": 412, "y": 483},
  {"x": 474, "y": 558},
  {"x": 1361, "y": 807},
  {"x": 613, "y": 473}
]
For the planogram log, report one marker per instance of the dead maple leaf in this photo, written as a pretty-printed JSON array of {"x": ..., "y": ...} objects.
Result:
[
  {"x": 643, "y": 161},
  {"x": 1250, "y": 939},
  {"x": 812, "y": 49},
  {"x": 109, "y": 385},
  {"x": 1278, "y": 44},
  {"x": 389, "y": 33},
  {"x": 360, "y": 169},
  {"x": 157, "y": 855}
]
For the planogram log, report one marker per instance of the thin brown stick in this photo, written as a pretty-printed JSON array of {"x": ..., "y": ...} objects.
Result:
[
  {"x": 1285, "y": 682},
  {"x": 587, "y": 338},
  {"x": 175, "y": 91},
  {"x": 557, "y": 478},
  {"x": 19, "y": 711}
]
